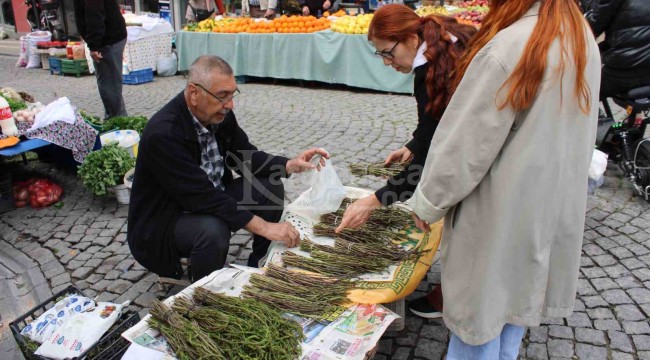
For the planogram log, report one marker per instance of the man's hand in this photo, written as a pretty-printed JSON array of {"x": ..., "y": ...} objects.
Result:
[
  {"x": 302, "y": 162},
  {"x": 421, "y": 224},
  {"x": 283, "y": 231},
  {"x": 358, "y": 212},
  {"x": 327, "y": 4},
  {"x": 402, "y": 154},
  {"x": 96, "y": 55},
  {"x": 269, "y": 13},
  {"x": 305, "y": 10}
]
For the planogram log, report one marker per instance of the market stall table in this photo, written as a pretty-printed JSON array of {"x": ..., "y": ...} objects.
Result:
[{"x": 324, "y": 56}]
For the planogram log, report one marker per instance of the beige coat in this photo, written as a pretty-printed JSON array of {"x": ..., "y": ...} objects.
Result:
[{"x": 512, "y": 187}]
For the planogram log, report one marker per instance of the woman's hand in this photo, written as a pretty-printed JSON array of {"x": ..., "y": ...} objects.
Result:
[
  {"x": 421, "y": 224},
  {"x": 358, "y": 212},
  {"x": 305, "y": 10},
  {"x": 402, "y": 154}
]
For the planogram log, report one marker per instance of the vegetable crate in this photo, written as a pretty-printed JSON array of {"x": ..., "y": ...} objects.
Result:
[
  {"x": 74, "y": 67},
  {"x": 138, "y": 77},
  {"x": 111, "y": 346},
  {"x": 55, "y": 65},
  {"x": 6, "y": 191}
]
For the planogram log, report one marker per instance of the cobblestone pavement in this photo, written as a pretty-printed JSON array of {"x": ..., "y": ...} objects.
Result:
[{"x": 83, "y": 243}]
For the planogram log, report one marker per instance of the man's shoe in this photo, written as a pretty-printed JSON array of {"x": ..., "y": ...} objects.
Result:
[{"x": 422, "y": 308}]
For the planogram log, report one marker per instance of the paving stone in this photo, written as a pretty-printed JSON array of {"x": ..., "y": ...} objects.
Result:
[
  {"x": 639, "y": 295},
  {"x": 622, "y": 239},
  {"x": 402, "y": 353},
  {"x": 563, "y": 332},
  {"x": 94, "y": 278},
  {"x": 579, "y": 319},
  {"x": 584, "y": 351},
  {"x": 586, "y": 262},
  {"x": 93, "y": 263},
  {"x": 593, "y": 272},
  {"x": 102, "y": 240},
  {"x": 101, "y": 285},
  {"x": 133, "y": 275},
  {"x": 114, "y": 260},
  {"x": 83, "y": 257},
  {"x": 538, "y": 334},
  {"x": 560, "y": 348},
  {"x": 597, "y": 214},
  {"x": 619, "y": 341},
  {"x": 408, "y": 339},
  {"x": 638, "y": 249},
  {"x": 104, "y": 269},
  {"x": 607, "y": 324},
  {"x": 119, "y": 286},
  {"x": 640, "y": 236},
  {"x": 604, "y": 260},
  {"x": 112, "y": 275},
  {"x": 616, "y": 297},
  {"x": 74, "y": 238},
  {"x": 636, "y": 327},
  {"x": 621, "y": 252},
  {"x": 109, "y": 233},
  {"x": 642, "y": 274},
  {"x": 628, "y": 229},
  {"x": 640, "y": 222},
  {"x": 438, "y": 333},
  {"x": 633, "y": 264},
  {"x": 600, "y": 313},
  {"x": 413, "y": 324},
  {"x": 579, "y": 306},
  {"x": 590, "y": 336},
  {"x": 551, "y": 321},
  {"x": 74, "y": 264},
  {"x": 54, "y": 271},
  {"x": 642, "y": 342},
  {"x": 430, "y": 349},
  {"x": 628, "y": 282},
  {"x": 60, "y": 279},
  {"x": 101, "y": 255},
  {"x": 537, "y": 352},
  {"x": 78, "y": 229},
  {"x": 644, "y": 355},
  {"x": 593, "y": 250},
  {"x": 646, "y": 309},
  {"x": 585, "y": 288},
  {"x": 628, "y": 312},
  {"x": 82, "y": 272},
  {"x": 604, "y": 284},
  {"x": 106, "y": 297},
  {"x": 81, "y": 246},
  {"x": 605, "y": 243},
  {"x": 621, "y": 356},
  {"x": 616, "y": 271},
  {"x": 384, "y": 346}
]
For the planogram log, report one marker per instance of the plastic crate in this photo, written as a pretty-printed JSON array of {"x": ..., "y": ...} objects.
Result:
[
  {"x": 110, "y": 346},
  {"x": 6, "y": 191},
  {"x": 74, "y": 67},
  {"x": 55, "y": 65},
  {"x": 45, "y": 61},
  {"x": 138, "y": 77}
]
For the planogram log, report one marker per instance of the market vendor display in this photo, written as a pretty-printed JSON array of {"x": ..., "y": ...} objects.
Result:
[{"x": 184, "y": 200}]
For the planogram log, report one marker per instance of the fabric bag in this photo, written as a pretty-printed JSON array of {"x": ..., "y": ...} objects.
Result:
[{"x": 201, "y": 14}]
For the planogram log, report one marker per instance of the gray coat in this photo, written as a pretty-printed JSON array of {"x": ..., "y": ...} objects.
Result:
[{"x": 512, "y": 188}]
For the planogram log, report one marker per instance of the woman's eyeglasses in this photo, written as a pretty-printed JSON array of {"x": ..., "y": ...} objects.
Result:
[{"x": 387, "y": 54}]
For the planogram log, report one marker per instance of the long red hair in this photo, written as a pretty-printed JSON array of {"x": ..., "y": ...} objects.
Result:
[
  {"x": 396, "y": 22},
  {"x": 558, "y": 19}
]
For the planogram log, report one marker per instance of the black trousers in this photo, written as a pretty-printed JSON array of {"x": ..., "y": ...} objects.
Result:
[
  {"x": 205, "y": 239},
  {"x": 108, "y": 72},
  {"x": 617, "y": 82}
]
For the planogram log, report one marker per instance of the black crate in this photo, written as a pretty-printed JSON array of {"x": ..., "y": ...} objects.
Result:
[{"x": 110, "y": 346}]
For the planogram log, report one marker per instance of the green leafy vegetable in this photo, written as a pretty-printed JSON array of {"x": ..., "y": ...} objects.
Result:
[
  {"x": 136, "y": 123},
  {"x": 105, "y": 168}
]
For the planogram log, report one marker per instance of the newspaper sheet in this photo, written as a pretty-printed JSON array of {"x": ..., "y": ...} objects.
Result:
[{"x": 350, "y": 336}]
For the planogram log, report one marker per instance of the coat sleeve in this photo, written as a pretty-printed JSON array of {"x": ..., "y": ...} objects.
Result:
[
  {"x": 601, "y": 14},
  {"x": 468, "y": 139},
  {"x": 188, "y": 184},
  {"x": 95, "y": 28}
]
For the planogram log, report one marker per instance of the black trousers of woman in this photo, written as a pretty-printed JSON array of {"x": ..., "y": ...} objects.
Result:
[{"x": 205, "y": 239}]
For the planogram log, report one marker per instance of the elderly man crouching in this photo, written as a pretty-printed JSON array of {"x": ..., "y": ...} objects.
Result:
[{"x": 184, "y": 200}]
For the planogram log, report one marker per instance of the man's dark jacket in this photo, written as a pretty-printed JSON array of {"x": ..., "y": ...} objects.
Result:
[
  {"x": 401, "y": 186},
  {"x": 626, "y": 24},
  {"x": 100, "y": 22},
  {"x": 169, "y": 181}
]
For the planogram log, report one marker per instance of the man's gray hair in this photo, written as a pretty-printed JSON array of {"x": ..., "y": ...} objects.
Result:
[{"x": 204, "y": 67}]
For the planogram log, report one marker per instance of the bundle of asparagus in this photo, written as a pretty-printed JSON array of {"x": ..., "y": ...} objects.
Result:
[
  {"x": 335, "y": 265},
  {"x": 377, "y": 169},
  {"x": 383, "y": 217},
  {"x": 364, "y": 234},
  {"x": 185, "y": 337},
  {"x": 266, "y": 336}
]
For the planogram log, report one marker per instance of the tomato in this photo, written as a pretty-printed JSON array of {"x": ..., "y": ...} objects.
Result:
[{"x": 20, "y": 204}]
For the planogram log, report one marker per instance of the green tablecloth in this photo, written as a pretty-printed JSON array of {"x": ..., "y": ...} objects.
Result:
[{"x": 323, "y": 56}]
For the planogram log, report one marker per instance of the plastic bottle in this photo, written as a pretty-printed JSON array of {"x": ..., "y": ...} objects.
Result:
[
  {"x": 68, "y": 49},
  {"x": 7, "y": 123}
]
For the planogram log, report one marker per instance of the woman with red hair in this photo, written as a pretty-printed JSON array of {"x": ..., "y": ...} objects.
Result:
[
  {"x": 507, "y": 170},
  {"x": 430, "y": 48}
]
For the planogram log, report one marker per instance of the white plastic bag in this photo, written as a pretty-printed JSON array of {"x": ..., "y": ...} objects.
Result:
[
  {"x": 167, "y": 66},
  {"x": 22, "y": 58},
  {"x": 81, "y": 332},
  {"x": 34, "y": 58},
  {"x": 324, "y": 196},
  {"x": 598, "y": 165},
  {"x": 41, "y": 328}
]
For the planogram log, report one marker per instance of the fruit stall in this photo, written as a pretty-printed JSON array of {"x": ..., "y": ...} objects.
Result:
[{"x": 332, "y": 49}]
